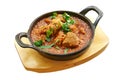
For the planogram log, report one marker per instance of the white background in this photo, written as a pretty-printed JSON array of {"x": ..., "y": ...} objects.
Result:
[{"x": 16, "y": 16}]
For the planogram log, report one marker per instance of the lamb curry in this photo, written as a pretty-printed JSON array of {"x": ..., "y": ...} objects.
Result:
[{"x": 61, "y": 33}]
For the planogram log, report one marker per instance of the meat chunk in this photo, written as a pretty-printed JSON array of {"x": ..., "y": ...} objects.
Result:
[
  {"x": 55, "y": 25},
  {"x": 61, "y": 17},
  {"x": 82, "y": 30},
  {"x": 74, "y": 29},
  {"x": 47, "y": 20},
  {"x": 60, "y": 37},
  {"x": 55, "y": 28},
  {"x": 57, "y": 22},
  {"x": 71, "y": 40},
  {"x": 43, "y": 29}
]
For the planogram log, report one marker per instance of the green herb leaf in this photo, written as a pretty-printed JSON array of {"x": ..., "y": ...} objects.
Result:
[
  {"x": 38, "y": 43},
  {"x": 70, "y": 21},
  {"x": 65, "y": 27},
  {"x": 48, "y": 39},
  {"x": 47, "y": 46},
  {"x": 43, "y": 47},
  {"x": 57, "y": 47},
  {"x": 48, "y": 34},
  {"x": 66, "y": 16},
  {"x": 54, "y": 14},
  {"x": 66, "y": 50}
]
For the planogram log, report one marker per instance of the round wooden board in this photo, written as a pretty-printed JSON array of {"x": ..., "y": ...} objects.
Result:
[{"x": 33, "y": 61}]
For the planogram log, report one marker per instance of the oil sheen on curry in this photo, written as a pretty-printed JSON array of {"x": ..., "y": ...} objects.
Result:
[{"x": 61, "y": 34}]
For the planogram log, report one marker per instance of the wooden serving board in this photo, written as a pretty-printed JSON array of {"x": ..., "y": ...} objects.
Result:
[{"x": 33, "y": 61}]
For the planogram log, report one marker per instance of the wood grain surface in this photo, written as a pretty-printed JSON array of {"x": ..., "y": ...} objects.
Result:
[{"x": 33, "y": 61}]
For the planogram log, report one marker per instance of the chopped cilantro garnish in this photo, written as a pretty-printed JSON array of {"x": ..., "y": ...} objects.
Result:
[
  {"x": 54, "y": 14},
  {"x": 48, "y": 34},
  {"x": 69, "y": 21},
  {"x": 38, "y": 43},
  {"x": 66, "y": 50},
  {"x": 47, "y": 46},
  {"x": 65, "y": 27},
  {"x": 66, "y": 16},
  {"x": 57, "y": 47}
]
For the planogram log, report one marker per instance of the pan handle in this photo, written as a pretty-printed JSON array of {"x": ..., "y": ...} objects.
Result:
[
  {"x": 19, "y": 41},
  {"x": 97, "y": 10}
]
